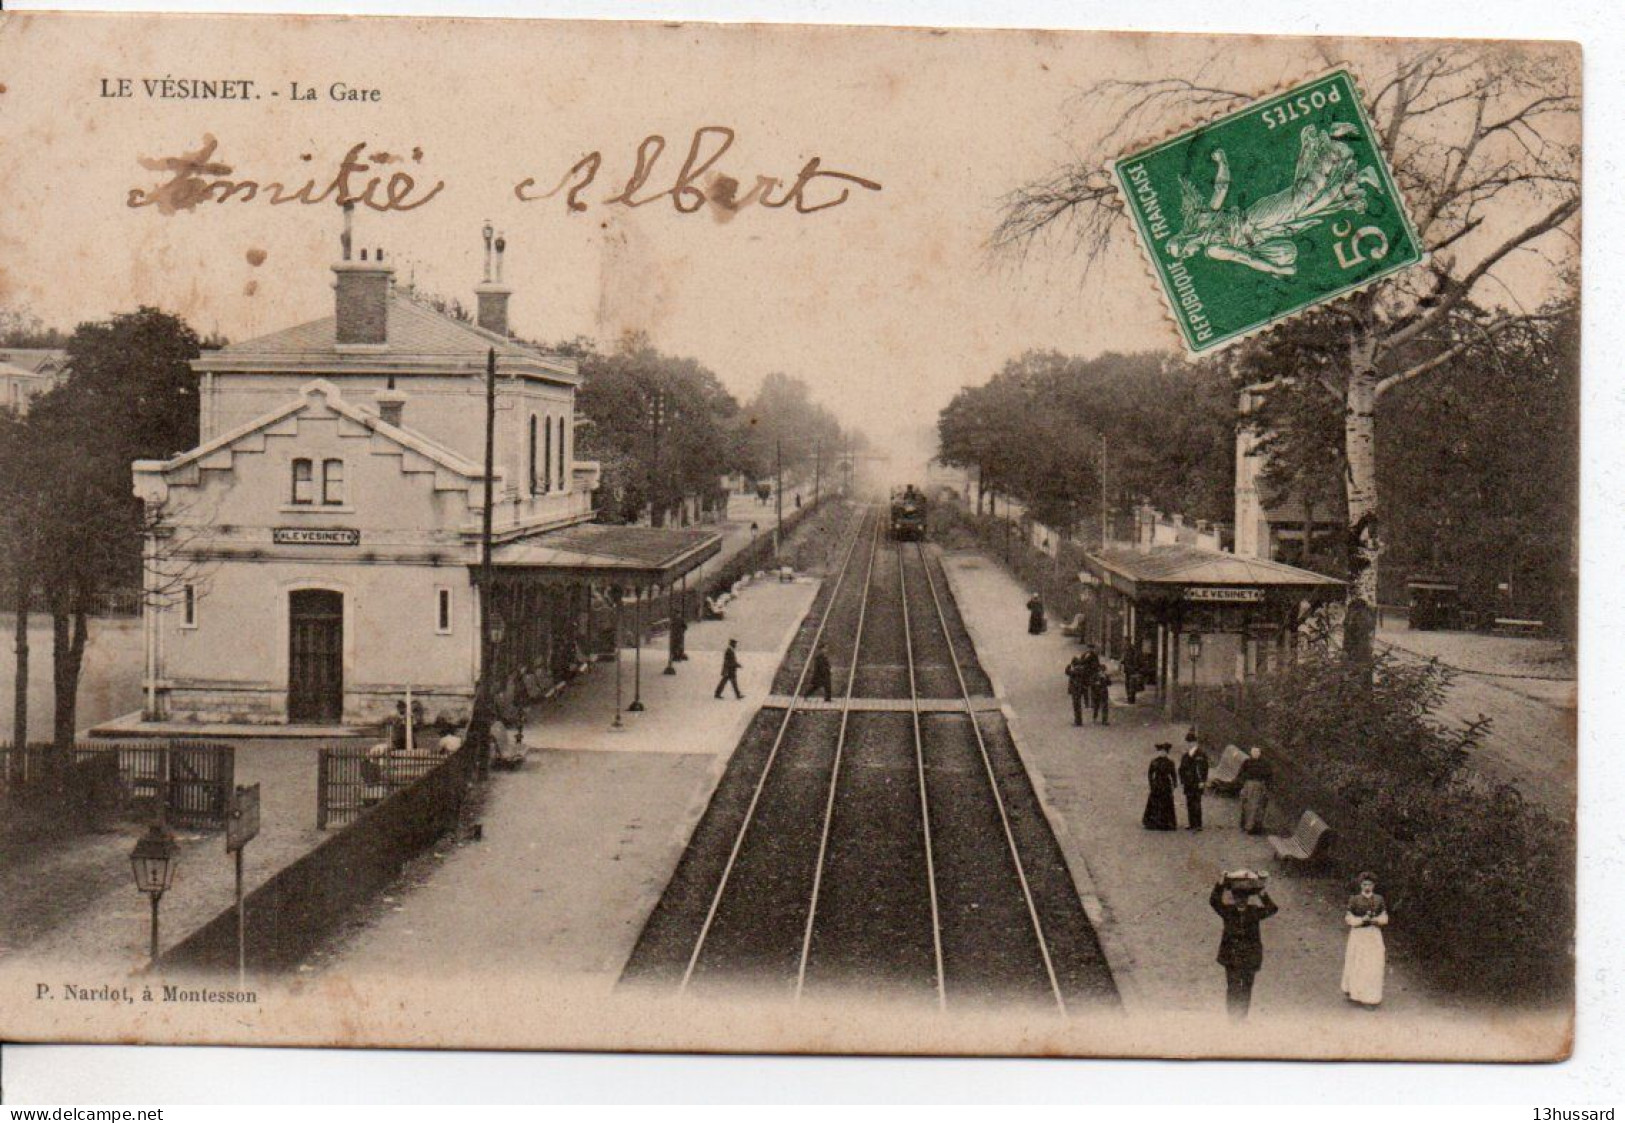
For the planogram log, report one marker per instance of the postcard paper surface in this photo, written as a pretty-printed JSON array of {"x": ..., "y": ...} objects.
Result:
[{"x": 539, "y": 535}]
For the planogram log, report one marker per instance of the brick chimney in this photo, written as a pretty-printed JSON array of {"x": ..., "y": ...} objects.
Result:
[
  {"x": 391, "y": 404},
  {"x": 491, "y": 294},
  {"x": 361, "y": 294}
]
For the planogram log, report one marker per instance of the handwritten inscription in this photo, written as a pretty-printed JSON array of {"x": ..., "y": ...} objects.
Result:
[
  {"x": 709, "y": 144},
  {"x": 375, "y": 180}
]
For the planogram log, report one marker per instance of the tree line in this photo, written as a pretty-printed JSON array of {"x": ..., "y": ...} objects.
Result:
[
  {"x": 666, "y": 431},
  {"x": 1050, "y": 430},
  {"x": 1483, "y": 141}
]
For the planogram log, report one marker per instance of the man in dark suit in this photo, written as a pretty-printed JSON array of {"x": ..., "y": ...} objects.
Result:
[
  {"x": 1193, "y": 768},
  {"x": 730, "y": 669},
  {"x": 1079, "y": 681},
  {"x": 820, "y": 675},
  {"x": 1242, "y": 903}
]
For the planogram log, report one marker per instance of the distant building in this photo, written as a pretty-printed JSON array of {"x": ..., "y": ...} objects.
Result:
[
  {"x": 1272, "y": 531},
  {"x": 319, "y": 547},
  {"x": 27, "y": 372}
]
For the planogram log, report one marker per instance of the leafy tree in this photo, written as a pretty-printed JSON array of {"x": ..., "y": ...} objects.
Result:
[
  {"x": 663, "y": 427},
  {"x": 21, "y": 328},
  {"x": 1046, "y": 425},
  {"x": 130, "y": 394},
  {"x": 784, "y": 427},
  {"x": 1483, "y": 143}
]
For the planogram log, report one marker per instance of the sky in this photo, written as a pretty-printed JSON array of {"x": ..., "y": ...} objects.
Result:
[{"x": 886, "y": 304}]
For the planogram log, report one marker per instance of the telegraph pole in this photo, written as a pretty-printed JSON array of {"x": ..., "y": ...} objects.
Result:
[
  {"x": 1104, "y": 541},
  {"x": 482, "y": 697},
  {"x": 778, "y": 494},
  {"x": 818, "y": 469}
]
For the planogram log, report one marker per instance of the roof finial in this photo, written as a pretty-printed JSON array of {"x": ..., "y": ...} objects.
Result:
[
  {"x": 502, "y": 244},
  {"x": 349, "y": 222}
]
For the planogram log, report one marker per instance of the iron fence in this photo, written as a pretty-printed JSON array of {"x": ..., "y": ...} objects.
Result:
[
  {"x": 353, "y": 779},
  {"x": 191, "y": 780}
]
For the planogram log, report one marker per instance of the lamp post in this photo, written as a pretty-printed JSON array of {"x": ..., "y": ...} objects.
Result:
[
  {"x": 1195, "y": 642},
  {"x": 153, "y": 863}
]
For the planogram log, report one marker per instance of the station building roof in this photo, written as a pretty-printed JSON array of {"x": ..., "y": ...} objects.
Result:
[
  {"x": 1169, "y": 572},
  {"x": 630, "y": 555},
  {"x": 419, "y": 337}
]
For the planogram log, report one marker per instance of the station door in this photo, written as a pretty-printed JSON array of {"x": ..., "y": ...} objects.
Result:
[{"x": 315, "y": 656}]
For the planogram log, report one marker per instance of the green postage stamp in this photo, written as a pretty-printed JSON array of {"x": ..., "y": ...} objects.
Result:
[{"x": 1273, "y": 209}]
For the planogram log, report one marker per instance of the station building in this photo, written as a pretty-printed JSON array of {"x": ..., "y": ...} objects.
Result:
[{"x": 316, "y": 556}]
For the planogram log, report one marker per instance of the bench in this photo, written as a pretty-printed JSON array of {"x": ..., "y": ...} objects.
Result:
[
  {"x": 1306, "y": 842},
  {"x": 1224, "y": 775}
]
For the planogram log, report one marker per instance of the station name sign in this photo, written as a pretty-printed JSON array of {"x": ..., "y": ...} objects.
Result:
[
  {"x": 315, "y": 536},
  {"x": 1228, "y": 596}
]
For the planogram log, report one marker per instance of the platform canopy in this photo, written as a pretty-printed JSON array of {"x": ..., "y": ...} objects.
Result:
[
  {"x": 1187, "y": 574},
  {"x": 633, "y": 556}
]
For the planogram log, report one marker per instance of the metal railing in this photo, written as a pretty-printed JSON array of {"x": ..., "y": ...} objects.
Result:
[
  {"x": 191, "y": 780},
  {"x": 352, "y": 779}
]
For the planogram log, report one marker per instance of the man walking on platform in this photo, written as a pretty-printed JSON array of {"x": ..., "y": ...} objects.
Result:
[
  {"x": 1102, "y": 695},
  {"x": 820, "y": 676},
  {"x": 1078, "y": 684},
  {"x": 730, "y": 669},
  {"x": 1193, "y": 768},
  {"x": 1242, "y": 903}
]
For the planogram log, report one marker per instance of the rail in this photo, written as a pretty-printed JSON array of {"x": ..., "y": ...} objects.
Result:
[
  {"x": 835, "y": 770},
  {"x": 919, "y": 765},
  {"x": 767, "y": 768},
  {"x": 993, "y": 784}
]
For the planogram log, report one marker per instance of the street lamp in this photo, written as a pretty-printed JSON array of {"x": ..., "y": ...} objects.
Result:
[
  {"x": 1195, "y": 642},
  {"x": 153, "y": 863}
]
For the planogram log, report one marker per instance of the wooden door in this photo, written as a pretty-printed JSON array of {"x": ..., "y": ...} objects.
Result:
[{"x": 315, "y": 656}]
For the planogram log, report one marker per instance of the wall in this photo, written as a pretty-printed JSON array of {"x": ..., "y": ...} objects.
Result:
[
  {"x": 289, "y": 915},
  {"x": 233, "y": 666}
]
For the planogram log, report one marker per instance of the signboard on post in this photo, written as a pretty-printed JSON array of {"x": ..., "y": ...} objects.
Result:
[
  {"x": 241, "y": 826},
  {"x": 244, "y": 821}
]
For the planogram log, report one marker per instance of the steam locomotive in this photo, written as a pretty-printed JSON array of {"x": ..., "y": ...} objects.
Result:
[{"x": 908, "y": 510}]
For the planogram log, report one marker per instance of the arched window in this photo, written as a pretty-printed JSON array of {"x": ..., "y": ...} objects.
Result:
[
  {"x": 532, "y": 454},
  {"x": 304, "y": 486},
  {"x": 547, "y": 468},
  {"x": 564, "y": 477}
]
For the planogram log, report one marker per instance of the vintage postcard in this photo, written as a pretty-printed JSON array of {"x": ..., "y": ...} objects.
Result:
[{"x": 617, "y": 536}]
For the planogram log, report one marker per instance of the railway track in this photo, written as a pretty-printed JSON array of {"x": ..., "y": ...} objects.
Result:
[{"x": 888, "y": 843}]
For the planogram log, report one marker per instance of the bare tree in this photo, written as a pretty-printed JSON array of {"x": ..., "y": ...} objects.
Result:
[{"x": 1484, "y": 145}]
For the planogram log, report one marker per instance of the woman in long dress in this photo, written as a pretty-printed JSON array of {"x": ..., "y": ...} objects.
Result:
[
  {"x": 1159, "y": 804},
  {"x": 1035, "y": 615},
  {"x": 1254, "y": 778},
  {"x": 1365, "y": 958}
]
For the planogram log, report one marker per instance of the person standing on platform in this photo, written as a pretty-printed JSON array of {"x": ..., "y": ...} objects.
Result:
[
  {"x": 820, "y": 675},
  {"x": 1365, "y": 960},
  {"x": 679, "y": 638},
  {"x": 1101, "y": 696},
  {"x": 1131, "y": 674},
  {"x": 1254, "y": 778},
  {"x": 730, "y": 669},
  {"x": 1242, "y": 903},
  {"x": 1193, "y": 768},
  {"x": 1035, "y": 615},
  {"x": 1079, "y": 681},
  {"x": 1159, "y": 803}
]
